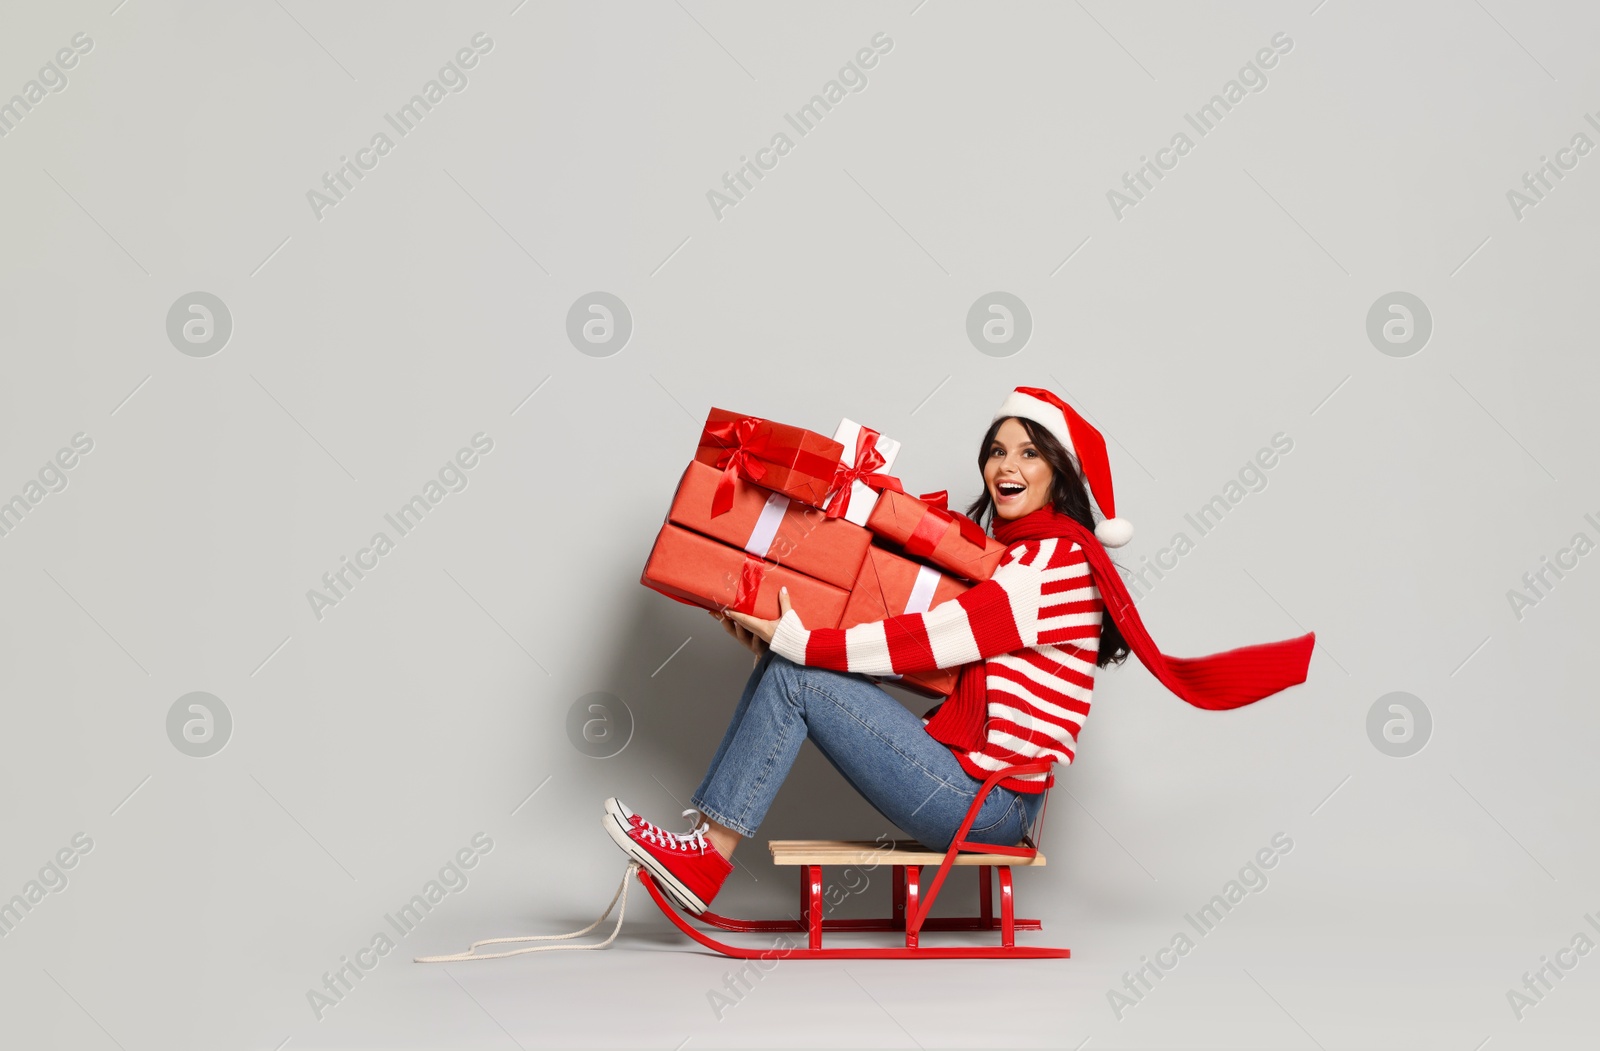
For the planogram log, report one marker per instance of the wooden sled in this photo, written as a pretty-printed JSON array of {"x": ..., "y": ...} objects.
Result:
[{"x": 910, "y": 903}]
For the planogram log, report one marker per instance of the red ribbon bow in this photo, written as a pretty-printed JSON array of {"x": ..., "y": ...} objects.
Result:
[
  {"x": 868, "y": 460},
  {"x": 933, "y": 524},
  {"x": 742, "y": 447}
]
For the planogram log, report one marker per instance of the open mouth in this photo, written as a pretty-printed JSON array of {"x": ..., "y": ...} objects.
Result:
[{"x": 1007, "y": 491}]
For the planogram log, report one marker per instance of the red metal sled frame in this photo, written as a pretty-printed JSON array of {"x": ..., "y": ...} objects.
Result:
[{"x": 910, "y": 906}]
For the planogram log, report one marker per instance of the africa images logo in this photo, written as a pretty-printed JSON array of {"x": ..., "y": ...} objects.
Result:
[
  {"x": 803, "y": 120},
  {"x": 1204, "y": 120},
  {"x": 452, "y": 478},
  {"x": 452, "y": 879},
  {"x": 336, "y": 184}
]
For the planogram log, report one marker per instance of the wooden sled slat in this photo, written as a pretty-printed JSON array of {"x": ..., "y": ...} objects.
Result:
[{"x": 888, "y": 852}]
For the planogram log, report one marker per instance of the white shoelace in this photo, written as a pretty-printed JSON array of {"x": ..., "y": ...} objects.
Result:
[
  {"x": 473, "y": 954},
  {"x": 696, "y": 840},
  {"x": 695, "y": 818},
  {"x": 685, "y": 841}
]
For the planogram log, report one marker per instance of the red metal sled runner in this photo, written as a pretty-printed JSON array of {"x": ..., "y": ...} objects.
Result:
[{"x": 910, "y": 902}]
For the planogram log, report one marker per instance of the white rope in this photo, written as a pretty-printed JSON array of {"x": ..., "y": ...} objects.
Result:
[{"x": 473, "y": 954}]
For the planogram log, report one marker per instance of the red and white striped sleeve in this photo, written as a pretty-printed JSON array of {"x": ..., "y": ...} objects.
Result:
[{"x": 999, "y": 615}]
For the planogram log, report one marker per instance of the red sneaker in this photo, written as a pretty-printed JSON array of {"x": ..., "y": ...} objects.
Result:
[{"x": 686, "y": 866}]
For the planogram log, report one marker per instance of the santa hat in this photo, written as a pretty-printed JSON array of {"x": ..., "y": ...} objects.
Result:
[{"x": 1084, "y": 442}]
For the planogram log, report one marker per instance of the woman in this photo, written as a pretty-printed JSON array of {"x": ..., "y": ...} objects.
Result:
[{"x": 1028, "y": 639}]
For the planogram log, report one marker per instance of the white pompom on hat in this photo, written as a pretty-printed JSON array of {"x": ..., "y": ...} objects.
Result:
[{"x": 1084, "y": 442}]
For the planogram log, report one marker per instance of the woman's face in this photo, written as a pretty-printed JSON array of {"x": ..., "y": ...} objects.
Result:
[{"x": 1015, "y": 473}]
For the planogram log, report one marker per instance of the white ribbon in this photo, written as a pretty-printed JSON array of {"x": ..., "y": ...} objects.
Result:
[
  {"x": 766, "y": 529},
  {"x": 921, "y": 598}
]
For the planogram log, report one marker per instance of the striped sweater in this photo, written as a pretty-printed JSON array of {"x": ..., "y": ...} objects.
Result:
[{"x": 1036, "y": 626}]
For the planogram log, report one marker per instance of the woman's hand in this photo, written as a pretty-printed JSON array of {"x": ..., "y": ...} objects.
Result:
[
  {"x": 745, "y": 637},
  {"x": 752, "y": 631}
]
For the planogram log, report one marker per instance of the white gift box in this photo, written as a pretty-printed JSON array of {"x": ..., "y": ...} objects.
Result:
[{"x": 862, "y": 496}]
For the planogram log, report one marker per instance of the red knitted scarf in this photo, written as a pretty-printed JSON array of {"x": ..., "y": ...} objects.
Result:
[{"x": 1217, "y": 681}]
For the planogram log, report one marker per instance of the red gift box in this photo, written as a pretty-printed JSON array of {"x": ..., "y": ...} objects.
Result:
[
  {"x": 772, "y": 526},
  {"x": 704, "y": 572},
  {"x": 798, "y": 463},
  {"x": 925, "y": 528},
  {"x": 890, "y": 585}
]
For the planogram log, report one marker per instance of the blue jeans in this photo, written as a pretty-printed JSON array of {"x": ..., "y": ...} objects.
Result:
[{"x": 880, "y": 748}]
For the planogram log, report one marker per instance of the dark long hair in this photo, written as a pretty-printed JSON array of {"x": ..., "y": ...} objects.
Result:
[{"x": 1070, "y": 496}]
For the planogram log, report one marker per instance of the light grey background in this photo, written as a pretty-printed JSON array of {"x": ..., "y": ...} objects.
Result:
[{"x": 431, "y": 304}]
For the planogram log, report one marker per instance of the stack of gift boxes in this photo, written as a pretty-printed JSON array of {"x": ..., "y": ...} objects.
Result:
[{"x": 765, "y": 505}]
